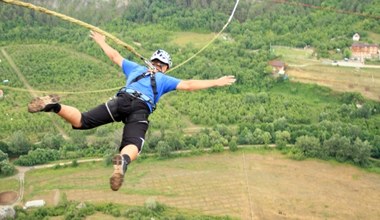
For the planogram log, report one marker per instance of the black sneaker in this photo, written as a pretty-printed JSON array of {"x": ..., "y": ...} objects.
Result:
[
  {"x": 43, "y": 104},
  {"x": 120, "y": 167}
]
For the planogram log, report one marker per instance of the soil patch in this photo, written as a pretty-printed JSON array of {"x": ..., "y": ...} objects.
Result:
[{"x": 8, "y": 198}]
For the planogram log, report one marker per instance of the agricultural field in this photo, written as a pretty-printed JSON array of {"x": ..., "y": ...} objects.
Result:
[
  {"x": 302, "y": 67},
  {"x": 197, "y": 40},
  {"x": 246, "y": 185}
]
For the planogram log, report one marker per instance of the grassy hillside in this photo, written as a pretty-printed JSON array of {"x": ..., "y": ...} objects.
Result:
[{"x": 42, "y": 55}]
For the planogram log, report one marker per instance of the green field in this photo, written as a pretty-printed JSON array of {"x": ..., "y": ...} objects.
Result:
[
  {"x": 302, "y": 67},
  {"x": 9, "y": 184},
  {"x": 197, "y": 40}
]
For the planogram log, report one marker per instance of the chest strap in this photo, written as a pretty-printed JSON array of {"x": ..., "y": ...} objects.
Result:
[{"x": 152, "y": 83}]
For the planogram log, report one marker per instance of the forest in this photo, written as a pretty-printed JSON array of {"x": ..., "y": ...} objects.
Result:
[{"x": 315, "y": 121}]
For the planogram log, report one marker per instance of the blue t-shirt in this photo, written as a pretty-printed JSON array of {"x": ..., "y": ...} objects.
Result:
[{"x": 164, "y": 83}]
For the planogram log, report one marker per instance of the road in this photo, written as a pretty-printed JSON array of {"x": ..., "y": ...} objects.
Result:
[
  {"x": 354, "y": 64},
  {"x": 22, "y": 170}
]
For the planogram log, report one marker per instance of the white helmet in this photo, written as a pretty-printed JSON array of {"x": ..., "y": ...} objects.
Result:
[{"x": 162, "y": 56}]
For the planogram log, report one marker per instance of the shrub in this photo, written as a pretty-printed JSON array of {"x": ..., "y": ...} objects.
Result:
[
  {"x": 233, "y": 144},
  {"x": 6, "y": 168},
  {"x": 310, "y": 146},
  {"x": 375, "y": 152},
  {"x": 38, "y": 156},
  {"x": 3, "y": 156},
  {"x": 282, "y": 138},
  {"x": 343, "y": 150},
  {"x": 163, "y": 149}
]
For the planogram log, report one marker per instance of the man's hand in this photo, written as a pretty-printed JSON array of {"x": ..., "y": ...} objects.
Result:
[
  {"x": 113, "y": 54},
  {"x": 98, "y": 38},
  {"x": 225, "y": 81}
]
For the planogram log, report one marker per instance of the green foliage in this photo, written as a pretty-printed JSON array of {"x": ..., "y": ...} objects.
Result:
[
  {"x": 233, "y": 146},
  {"x": 38, "y": 156},
  {"x": 109, "y": 209},
  {"x": 310, "y": 147},
  {"x": 343, "y": 150},
  {"x": 3, "y": 156},
  {"x": 375, "y": 152},
  {"x": 19, "y": 143},
  {"x": 6, "y": 168},
  {"x": 282, "y": 138},
  {"x": 163, "y": 149},
  {"x": 4, "y": 147},
  {"x": 52, "y": 141},
  {"x": 74, "y": 163},
  {"x": 58, "y": 56}
]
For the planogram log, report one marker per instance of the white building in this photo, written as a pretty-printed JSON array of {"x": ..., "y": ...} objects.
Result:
[
  {"x": 356, "y": 37},
  {"x": 34, "y": 203}
]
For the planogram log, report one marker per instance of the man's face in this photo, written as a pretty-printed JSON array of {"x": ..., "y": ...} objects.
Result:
[{"x": 162, "y": 67}]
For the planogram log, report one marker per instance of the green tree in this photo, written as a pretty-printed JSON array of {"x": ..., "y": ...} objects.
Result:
[
  {"x": 310, "y": 146},
  {"x": 4, "y": 147},
  {"x": 19, "y": 143},
  {"x": 358, "y": 152},
  {"x": 375, "y": 152},
  {"x": 233, "y": 144},
  {"x": 52, "y": 141},
  {"x": 3, "y": 156},
  {"x": 163, "y": 149},
  {"x": 335, "y": 147},
  {"x": 6, "y": 168},
  {"x": 282, "y": 138},
  {"x": 267, "y": 137}
]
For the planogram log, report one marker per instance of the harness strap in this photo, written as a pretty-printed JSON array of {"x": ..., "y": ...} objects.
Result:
[
  {"x": 152, "y": 83},
  {"x": 141, "y": 116}
]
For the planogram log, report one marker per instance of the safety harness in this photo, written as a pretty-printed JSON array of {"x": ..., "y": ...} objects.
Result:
[
  {"x": 154, "y": 88},
  {"x": 138, "y": 115}
]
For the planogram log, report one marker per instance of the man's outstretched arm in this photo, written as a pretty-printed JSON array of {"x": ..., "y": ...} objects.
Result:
[
  {"x": 113, "y": 54},
  {"x": 191, "y": 85}
]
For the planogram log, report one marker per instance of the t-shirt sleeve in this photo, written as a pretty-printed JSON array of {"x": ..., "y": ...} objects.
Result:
[
  {"x": 171, "y": 83},
  {"x": 128, "y": 66}
]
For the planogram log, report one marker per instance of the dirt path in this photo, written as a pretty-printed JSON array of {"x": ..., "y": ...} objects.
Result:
[
  {"x": 30, "y": 89},
  {"x": 21, "y": 177}
]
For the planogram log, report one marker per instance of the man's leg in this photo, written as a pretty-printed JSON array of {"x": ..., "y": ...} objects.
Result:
[
  {"x": 51, "y": 103},
  {"x": 91, "y": 119},
  {"x": 71, "y": 115},
  {"x": 131, "y": 145},
  {"x": 120, "y": 162}
]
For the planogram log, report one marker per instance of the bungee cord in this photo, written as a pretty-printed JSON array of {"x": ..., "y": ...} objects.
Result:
[
  {"x": 74, "y": 21},
  {"x": 209, "y": 43},
  {"x": 110, "y": 36}
]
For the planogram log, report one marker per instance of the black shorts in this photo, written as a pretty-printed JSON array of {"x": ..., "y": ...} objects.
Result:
[{"x": 132, "y": 111}]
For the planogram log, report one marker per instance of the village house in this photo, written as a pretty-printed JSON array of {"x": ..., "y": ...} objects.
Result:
[
  {"x": 362, "y": 51},
  {"x": 34, "y": 203},
  {"x": 356, "y": 37},
  {"x": 278, "y": 67}
]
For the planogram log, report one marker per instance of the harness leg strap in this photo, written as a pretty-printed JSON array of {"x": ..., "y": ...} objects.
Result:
[
  {"x": 111, "y": 106},
  {"x": 138, "y": 116}
]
